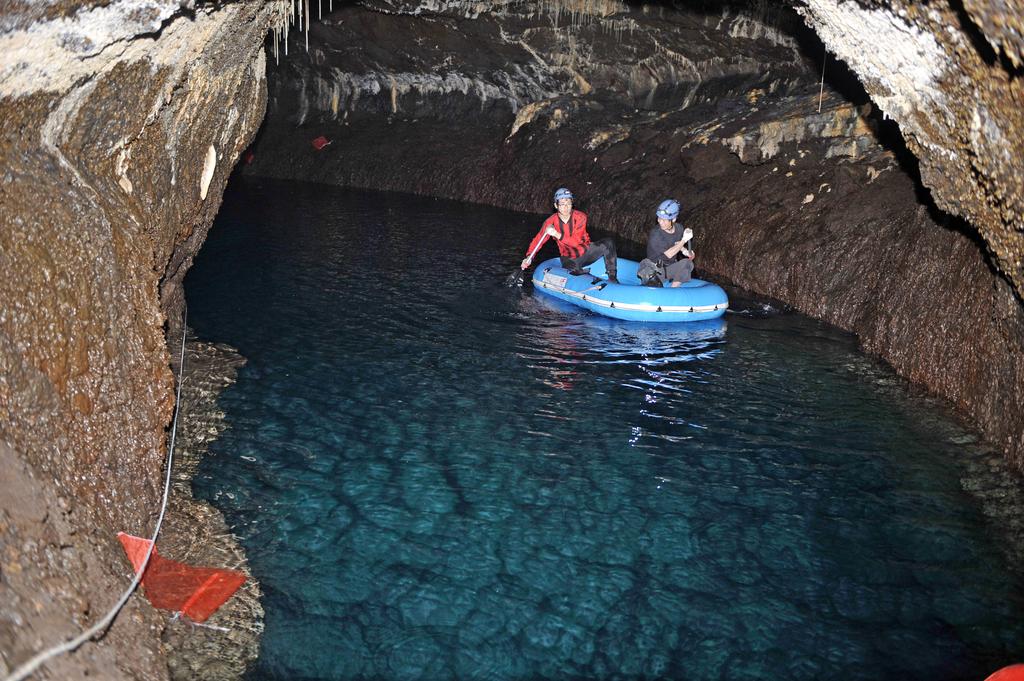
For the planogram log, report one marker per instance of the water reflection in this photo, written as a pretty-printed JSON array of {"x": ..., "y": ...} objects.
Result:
[
  {"x": 581, "y": 336},
  {"x": 564, "y": 337}
]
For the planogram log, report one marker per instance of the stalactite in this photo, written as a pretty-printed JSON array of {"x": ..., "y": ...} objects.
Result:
[{"x": 279, "y": 26}]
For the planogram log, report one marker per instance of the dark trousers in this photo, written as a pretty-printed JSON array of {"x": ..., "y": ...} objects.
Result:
[
  {"x": 604, "y": 248},
  {"x": 678, "y": 271}
]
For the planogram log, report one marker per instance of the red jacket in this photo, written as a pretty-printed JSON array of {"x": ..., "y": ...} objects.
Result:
[{"x": 574, "y": 241}]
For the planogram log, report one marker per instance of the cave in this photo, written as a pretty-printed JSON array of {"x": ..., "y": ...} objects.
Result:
[{"x": 857, "y": 162}]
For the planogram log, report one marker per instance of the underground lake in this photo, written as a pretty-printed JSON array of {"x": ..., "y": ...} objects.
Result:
[{"x": 435, "y": 476}]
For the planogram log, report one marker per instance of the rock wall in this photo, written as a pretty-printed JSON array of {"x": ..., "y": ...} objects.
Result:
[
  {"x": 119, "y": 124},
  {"x": 948, "y": 73}
]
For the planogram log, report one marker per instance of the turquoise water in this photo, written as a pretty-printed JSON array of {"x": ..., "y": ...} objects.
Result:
[{"x": 437, "y": 477}]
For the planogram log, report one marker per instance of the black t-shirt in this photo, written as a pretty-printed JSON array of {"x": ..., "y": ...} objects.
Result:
[{"x": 660, "y": 241}]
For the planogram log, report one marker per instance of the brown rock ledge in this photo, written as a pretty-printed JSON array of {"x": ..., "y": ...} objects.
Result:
[
  {"x": 196, "y": 533},
  {"x": 60, "y": 571}
]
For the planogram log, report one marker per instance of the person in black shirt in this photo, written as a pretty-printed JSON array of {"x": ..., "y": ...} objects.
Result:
[{"x": 667, "y": 242}]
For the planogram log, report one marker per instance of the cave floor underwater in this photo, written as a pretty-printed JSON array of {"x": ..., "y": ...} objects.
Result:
[{"x": 435, "y": 476}]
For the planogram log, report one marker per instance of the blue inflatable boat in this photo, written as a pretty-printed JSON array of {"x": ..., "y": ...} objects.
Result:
[{"x": 690, "y": 302}]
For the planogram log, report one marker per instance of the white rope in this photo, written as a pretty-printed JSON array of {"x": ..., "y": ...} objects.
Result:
[
  {"x": 180, "y": 616},
  {"x": 42, "y": 658}
]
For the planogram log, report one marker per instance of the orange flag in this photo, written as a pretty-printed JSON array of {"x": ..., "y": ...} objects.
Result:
[{"x": 170, "y": 585}]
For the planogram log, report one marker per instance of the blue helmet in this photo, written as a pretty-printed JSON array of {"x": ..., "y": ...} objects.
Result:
[
  {"x": 562, "y": 193},
  {"x": 669, "y": 209}
]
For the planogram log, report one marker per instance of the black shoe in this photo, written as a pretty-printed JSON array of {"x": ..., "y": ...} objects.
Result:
[
  {"x": 576, "y": 271},
  {"x": 655, "y": 283},
  {"x": 613, "y": 280}
]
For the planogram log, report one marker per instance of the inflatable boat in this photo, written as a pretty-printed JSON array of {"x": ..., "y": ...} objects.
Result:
[{"x": 690, "y": 302}]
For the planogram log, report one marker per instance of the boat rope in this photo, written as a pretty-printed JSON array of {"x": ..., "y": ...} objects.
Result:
[
  {"x": 42, "y": 658},
  {"x": 636, "y": 307}
]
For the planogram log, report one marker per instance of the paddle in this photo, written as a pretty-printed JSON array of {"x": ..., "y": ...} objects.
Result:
[{"x": 516, "y": 276}]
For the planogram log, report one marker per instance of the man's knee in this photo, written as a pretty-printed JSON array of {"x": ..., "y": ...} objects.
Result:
[{"x": 683, "y": 271}]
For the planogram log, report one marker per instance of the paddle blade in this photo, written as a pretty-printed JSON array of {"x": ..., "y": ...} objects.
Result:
[{"x": 515, "y": 278}]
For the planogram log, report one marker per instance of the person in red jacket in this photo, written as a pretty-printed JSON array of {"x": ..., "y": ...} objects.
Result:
[{"x": 569, "y": 228}]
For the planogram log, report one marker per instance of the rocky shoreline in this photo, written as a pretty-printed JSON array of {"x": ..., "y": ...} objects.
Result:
[
  {"x": 196, "y": 533},
  {"x": 61, "y": 570}
]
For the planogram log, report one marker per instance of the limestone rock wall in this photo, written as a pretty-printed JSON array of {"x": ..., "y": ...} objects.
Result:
[
  {"x": 119, "y": 124},
  {"x": 949, "y": 75}
]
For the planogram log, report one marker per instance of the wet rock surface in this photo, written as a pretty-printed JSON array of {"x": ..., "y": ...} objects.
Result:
[
  {"x": 790, "y": 194},
  {"x": 119, "y": 123},
  {"x": 195, "y": 533},
  {"x": 948, "y": 73},
  {"x": 59, "y": 574},
  {"x": 104, "y": 207},
  {"x": 58, "y": 579}
]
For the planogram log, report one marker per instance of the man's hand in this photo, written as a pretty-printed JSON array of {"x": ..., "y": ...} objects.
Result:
[
  {"x": 552, "y": 232},
  {"x": 687, "y": 234},
  {"x": 526, "y": 263}
]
